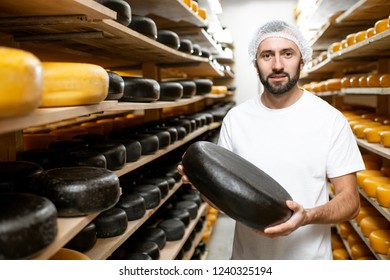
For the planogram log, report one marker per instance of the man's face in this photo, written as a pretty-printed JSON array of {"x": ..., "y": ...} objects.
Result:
[{"x": 278, "y": 63}]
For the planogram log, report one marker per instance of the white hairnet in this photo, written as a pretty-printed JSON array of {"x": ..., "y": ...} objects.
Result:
[{"x": 281, "y": 29}]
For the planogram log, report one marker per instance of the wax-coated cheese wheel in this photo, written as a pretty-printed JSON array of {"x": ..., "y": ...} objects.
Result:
[
  {"x": 358, "y": 129},
  {"x": 202, "y": 12},
  {"x": 372, "y": 223},
  {"x": 28, "y": 224},
  {"x": 340, "y": 254},
  {"x": 372, "y": 134},
  {"x": 373, "y": 80},
  {"x": 333, "y": 84},
  {"x": 196, "y": 50},
  {"x": 144, "y": 25},
  {"x": 77, "y": 191},
  {"x": 122, "y": 9},
  {"x": 154, "y": 234},
  {"x": 354, "y": 81},
  {"x": 116, "y": 86},
  {"x": 239, "y": 183},
  {"x": 137, "y": 256},
  {"x": 345, "y": 229},
  {"x": 189, "y": 88},
  {"x": 360, "y": 36},
  {"x": 186, "y": 46},
  {"x": 360, "y": 250},
  {"x": 71, "y": 83},
  {"x": 111, "y": 222},
  {"x": 385, "y": 138},
  {"x": 174, "y": 229},
  {"x": 140, "y": 90},
  {"x": 161, "y": 183},
  {"x": 21, "y": 82},
  {"x": 383, "y": 195},
  {"x": 150, "y": 193},
  {"x": 334, "y": 47},
  {"x": 380, "y": 241},
  {"x": 168, "y": 38},
  {"x": 370, "y": 32},
  {"x": 350, "y": 39},
  {"x": 133, "y": 204},
  {"x": 84, "y": 239},
  {"x": 149, "y": 248},
  {"x": 371, "y": 184},
  {"x": 354, "y": 239},
  {"x": 385, "y": 80},
  {"x": 69, "y": 254},
  {"x": 181, "y": 214},
  {"x": 133, "y": 148},
  {"x": 115, "y": 153},
  {"x": 363, "y": 174},
  {"x": 381, "y": 25},
  {"x": 15, "y": 175},
  {"x": 170, "y": 91},
  {"x": 345, "y": 83},
  {"x": 203, "y": 86},
  {"x": 79, "y": 157},
  {"x": 190, "y": 206},
  {"x": 366, "y": 211},
  {"x": 336, "y": 242},
  {"x": 363, "y": 81}
]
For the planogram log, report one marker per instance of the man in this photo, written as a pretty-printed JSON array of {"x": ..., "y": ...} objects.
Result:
[{"x": 299, "y": 140}]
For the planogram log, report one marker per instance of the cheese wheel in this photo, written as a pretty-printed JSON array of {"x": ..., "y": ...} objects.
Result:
[
  {"x": 70, "y": 84},
  {"x": 203, "y": 86},
  {"x": 150, "y": 193},
  {"x": 350, "y": 39},
  {"x": 77, "y": 191},
  {"x": 334, "y": 47},
  {"x": 354, "y": 81},
  {"x": 111, "y": 222},
  {"x": 186, "y": 46},
  {"x": 366, "y": 211},
  {"x": 360, "y": 250},
  {"x": 28, "y": 224},
  {"x": 371, "y": 184},
  {"x": 385, "y": 138},
  {"x": 36, "y": 141},
  {"x": 140, "y": 90},
  {"x": 15, "y": 175},
  {"x": 144, "y": 25},
  {"x": 345, "y": 83},
  {"x": 363, "y": 81},
  {"x": 345, "y": 229},
  {"x": 354, "y": 239},
  {"x": 69, "y": 254},
  {"x": 161, "y": 183},
  {"x": 133, "y": 204},
  {"x": 188, "y": 3},
  {"x": 116, "y": 86},
  {"x": 174, "y": 229},
  {"x": 336, "y": 242},
  {"x": 372, "y": 223},
  {"x": 202, "y": 12},
  {"x": 133, "y": 148},
  {"x": 381, "y": 25},
  {"x": 196, "y": 49},
  {"x": 370, "y": 32},
  {"x": 21, "y": 82},
  {"x": 333, "y": 84},
  {"x": 84, "y": 240},
  {"x": 380, "y": 241},
  {"x": 340, "y": 254},
  {"x": 114, "y": 152},
  {"x": 170, "y": 91},
  {"x": 190, "y": 206},
  {"x": 360, "y": 36},
  {"x": 372, "y": 134},
  {"x": 194, "y": 7},
  {"x": 168, "y": 38},
  {"x": 149, "y": 248},
  {"x": 181, "y": 214},
  {"x": 122, "y": 9},
  {"x": 383, "y": 195},
  {"x": 373, "y": 80},
  {"x": 385, "y": 80},
  {"x": 358, "y": 129}
]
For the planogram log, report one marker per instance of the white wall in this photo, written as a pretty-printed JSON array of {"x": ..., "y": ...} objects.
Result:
[{"x": 242, "y": 18}]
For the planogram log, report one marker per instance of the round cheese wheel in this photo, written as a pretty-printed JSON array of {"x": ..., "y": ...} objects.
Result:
[
  {"x": 115, "y": 153},
  {"x": 71, "y": 83},
  {"x": 373, "y": 80},
  {"x": 202, "y": 12},
  {"x": 363, "y": 81},
  {"x": 150, "y": 193},
  {"x": 340, "y": 254},
  {"x": 385, "y": 138},
  {"x": 333, "y": 84},
  {"x": 36, "y": 141},
  {"x": 15, "y": 175},
  {"x": 366, "y": 211},
  {"x": 116, "y": 86},
  {"x": 336, "y": 242},
  {"x": 350, "y": 39},
  {"x": 372, "y": 134},
  {"x": 371, "y": 223},
  {"x": 345, "y": 229},
  {"x": 363, "y": 174},
  {"x": 334, "y": 47},
  {"x": 186, "y": 46},
  {"x": 358, "y": 129},
  {"x": 133, "y": 204},
  {"x": 137, "y": 256},
  {"x": 168, "y": 38},
  {"x": 371, "y": 184},
  {"x": 140, "y": 90},
  {"x": 122, "y": 9},
  {"x": 69, "y": 254},
  {"x": 84, "y": 239},
  {"x": 111, "y": 222},
  {"x": 28, "y": 224},
  {"x": 354, "y": 81},
  {"x": 384, "y": 80},
  {"x": 189, "y": 88},
  {"x": 174, "y": 229},
  {"x": 79, "y": 157},
  {"x": 149, "y": 248},
  {"x": 203, "y": 86},
  {"x": 181, "y": 214},
  {"x": 154, "y": 234},
  {"x": 206, "y": 54},
  {"x": 170, "y": 91},
  {"x": 164, "y": 137},
  {"x": 161, "y": 183},
  {"x": 381, "y": 25},
  {"x": 192, "y": 197},
  {"x": 188, "y": 205},
  {"x": 360, "y": 250},
  {"x": 383, "y": 195},
  {"x": 360, "y": 36},
  {"x": 345, "y": 83},
  {"x": 171, "y": 130},
  {"x": 370, "y": 32},
  {"x": 77, "y": 191},
  {"x": 380, "y": 241},
  {"x": 354, "y": 239},
  {"x": 196, "y": 50},
  {"x": 149, "y": 142},
  {"x": 133, "y": 147},
  {"x": 21, "y": 75},
  {"x": 144, "y": 25}
]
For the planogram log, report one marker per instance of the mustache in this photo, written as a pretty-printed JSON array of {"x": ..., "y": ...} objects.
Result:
[{"x": 278, "y": 73}]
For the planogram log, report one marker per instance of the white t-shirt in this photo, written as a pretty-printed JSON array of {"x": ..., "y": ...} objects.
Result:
[{"x": 299, "y": 146}]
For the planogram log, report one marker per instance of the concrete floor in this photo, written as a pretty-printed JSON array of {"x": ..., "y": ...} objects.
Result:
[{"x": 221, "y": 239}]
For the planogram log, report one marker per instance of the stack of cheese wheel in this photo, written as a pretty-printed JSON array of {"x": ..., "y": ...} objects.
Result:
[
  {"x": 380, "y": 241},
  {"x": 21, "y": 82},
  {"x": 71, "y": 84}
]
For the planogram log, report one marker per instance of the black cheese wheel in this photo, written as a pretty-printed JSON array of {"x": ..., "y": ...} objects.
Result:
[
  {"x": 116, "y": 86},
  {"x": 181, "y": 122},
  {"x": 154, "y": 234},
  {"x": 168, "y": 38},
  {"x": 196, "y": 50},
  {"x": 28, "y": 224},
  {"x": 15, "y": 175},
  {"x": 110, "y": 223},
  {"x": 140, "y": 90},
  {"x": 144, "y": 25},
  {"x": 149, "y": 142},
  {"x": 188, "y": 205},
  {"x": 181, "y": 214},
  {"x": 79, "y": 157},
  {"x": 150, "y": 193},
  {"x": 161, "y": 183},
  {"x": 174, "y": 229},
  {"x": 170, "y": 91},
  {"x": 77, "y": 191},
  {"x": 171, "y": 130},
  {"x": 164, "y": 137},
  {"x": 192, "y": 197},
  {"x": 189, "y": 88},
  {"x": 188, "y": 244},
  {"x": 236, "y": 186},
  {"x": 206, "y": 54},
  {"x": 203, "y": 86},
  {"x": 122, "y": 9},
  {"x": 84, "y": 239},
  {"x": 133, "y": 204},
  {"x": 115, "y": 153},
  {"x": 147, "y": 247},
  {"x": 133, "y": 148},
  {"x": 138, "y": 256},
  {"x": 186, "y": 46}
]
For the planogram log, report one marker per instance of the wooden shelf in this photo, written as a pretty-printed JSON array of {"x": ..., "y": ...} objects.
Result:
[
  {"x": 367, "y": 11},
  {"x": 366, "y": 91},
  {"x": 374, "y": 147}
]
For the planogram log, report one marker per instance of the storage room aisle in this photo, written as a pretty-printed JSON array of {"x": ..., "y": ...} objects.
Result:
[{"x": 221, "y": 239}]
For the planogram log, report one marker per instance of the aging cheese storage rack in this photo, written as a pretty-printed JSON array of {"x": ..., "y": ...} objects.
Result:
[
  {"x": 86, "y": 31},
  {"x": 366, "y": 56}
]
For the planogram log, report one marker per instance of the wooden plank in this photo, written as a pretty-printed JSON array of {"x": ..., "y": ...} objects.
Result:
[
  {"x": 22, "y": 8},
  {"x": 366, "y": 10}
]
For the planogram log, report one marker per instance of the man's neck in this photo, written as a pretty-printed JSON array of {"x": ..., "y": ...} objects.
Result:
[{"x": 280, "y": 101}]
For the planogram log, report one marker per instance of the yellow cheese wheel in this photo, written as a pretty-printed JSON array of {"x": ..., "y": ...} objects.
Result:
[
  {"x": 364, "y": 174},
  {"x": 383, "y": 195},
  {"x": 371, "y": 134},
  {"x": 345, "y": 229},
  {"x": 366, "y": 211},
  {"x": 345, "y": 83},
  {"x": 334, "y": 47},
  {"x": 336, "y": 242},
  {"x": 363, "y": 81},
  {"x": 70, "y": 84},
  {"x": 344, "y": 44},
  {"x": 340, "y": 254},
  {"x": 381, "y": 25},
  {"x": 21, "y": 82},
  {"x": 36, "y": 141},
  {"x": 354, "y": 239},
  {"x": 384, "y": 80},
  {"x": 350, "y": 39},
  {"x": 371, "y": 184},
  {"x": 358, "y": 129},
  {"x": 373, "y": 80},
  {"x": 69, "y": 254},
  {"x": 385, "y": 138},
  {"x": 352, "y": 123},
  {"x": 188, "y": 3},
  {"x": 360, "y": 36},
  {"x": 371, "y": 223},
  {"x": 370, "y": 32},
  {"x": 382, "y": 119},
  {"x": 333, "y": 84},
  {"x": 202, "y": 12},
  {"x": 380, "y": 241},
  {"x": 360, "y": 250},
  {"x": 194, "y": 7}
]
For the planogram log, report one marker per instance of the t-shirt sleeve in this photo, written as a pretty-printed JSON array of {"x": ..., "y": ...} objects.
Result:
[{"x": 344, "y": 154}]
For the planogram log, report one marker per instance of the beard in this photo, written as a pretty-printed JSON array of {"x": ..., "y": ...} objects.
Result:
[{"x": 280, "y": 88}]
